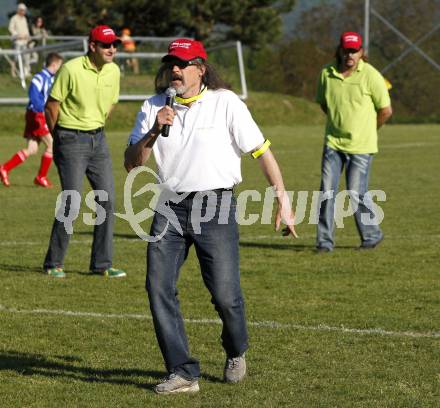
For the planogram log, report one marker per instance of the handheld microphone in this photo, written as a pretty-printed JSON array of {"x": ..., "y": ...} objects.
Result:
[{"x": 170, "y": 93}]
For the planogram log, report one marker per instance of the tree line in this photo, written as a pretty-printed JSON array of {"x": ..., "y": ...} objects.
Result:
[
  {"x": 254, "y": 22},
  {"x": 293, "y": 64},
  {"x": 280, "y": 61}
]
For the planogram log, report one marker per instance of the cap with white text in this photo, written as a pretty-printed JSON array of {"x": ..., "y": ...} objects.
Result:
[
  {"x": 103, "y": 34},
  {"x": 351, "y": 40},
  {"x": 185, "y": 50}
]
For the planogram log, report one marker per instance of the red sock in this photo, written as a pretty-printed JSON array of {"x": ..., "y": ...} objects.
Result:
[
  {"x": 46, "y": 161},
  {"x": 15, "y": 160}
]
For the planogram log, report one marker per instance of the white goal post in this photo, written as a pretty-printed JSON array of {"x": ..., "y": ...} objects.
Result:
[{"x": 73, "y": 46}]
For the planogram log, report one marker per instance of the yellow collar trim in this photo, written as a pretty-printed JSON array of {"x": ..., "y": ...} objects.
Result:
[{"x": 185, "y": 101}]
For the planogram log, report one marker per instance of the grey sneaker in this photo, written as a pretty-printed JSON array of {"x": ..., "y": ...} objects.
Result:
[
  {"x": 175, "y": 383},
  {"x": 235, "y": 369}
]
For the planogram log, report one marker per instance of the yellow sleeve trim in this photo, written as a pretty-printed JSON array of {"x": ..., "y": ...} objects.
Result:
[{"x": 262, "y": 149}]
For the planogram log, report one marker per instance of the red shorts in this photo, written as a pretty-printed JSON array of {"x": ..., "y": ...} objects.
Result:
[{"x": 36, "y": 125}]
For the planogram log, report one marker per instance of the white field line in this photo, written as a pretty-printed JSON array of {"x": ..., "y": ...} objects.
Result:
[
  {"x": 243, "y": 238},
  {"x": 381, "y": 146},
  {"x": 261, "y": 324},
  {"x": 407, "y": 145}
]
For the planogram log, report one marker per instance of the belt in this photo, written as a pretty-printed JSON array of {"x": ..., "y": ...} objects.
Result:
[
  {"x": 88, "y": 132},
  {"x": 217, "y": 191}
]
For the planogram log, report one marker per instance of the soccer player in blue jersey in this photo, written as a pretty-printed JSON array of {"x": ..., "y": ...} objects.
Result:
[{"x": 36, "y": 129}]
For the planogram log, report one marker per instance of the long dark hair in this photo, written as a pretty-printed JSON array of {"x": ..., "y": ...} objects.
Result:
[
  {"x": 339, "y": 59},
  {"x": 210, "y": 78}
]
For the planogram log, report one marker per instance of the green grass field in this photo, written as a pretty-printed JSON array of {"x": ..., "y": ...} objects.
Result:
[{"x": 347, "y": 329}]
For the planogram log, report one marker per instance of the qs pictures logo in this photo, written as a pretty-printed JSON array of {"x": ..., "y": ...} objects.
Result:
[{"x": 162, "y": 196}]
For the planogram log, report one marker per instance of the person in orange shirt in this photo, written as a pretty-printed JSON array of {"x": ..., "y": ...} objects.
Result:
[{"x": 129, "y": 45}]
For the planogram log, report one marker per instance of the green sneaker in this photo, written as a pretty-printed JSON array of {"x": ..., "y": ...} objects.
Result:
[
  {"x": 112, "y": 273},
  {"x": 56, "y": 272}
]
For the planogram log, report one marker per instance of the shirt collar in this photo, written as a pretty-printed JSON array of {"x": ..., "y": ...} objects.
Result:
[
  {"x": 87, "y": 63},
  {"x": 336, "y": 73},
  {"x": 47, "y": 72},
  {"x": 361, "y": 65},
  {"x": 196, "y": 98}
]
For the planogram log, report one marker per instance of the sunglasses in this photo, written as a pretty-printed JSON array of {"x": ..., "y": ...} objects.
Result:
[
  {"x": 106, "y": 46},
  {"x": 181, "y": 64},
  {"x": 350, "y": 50}
]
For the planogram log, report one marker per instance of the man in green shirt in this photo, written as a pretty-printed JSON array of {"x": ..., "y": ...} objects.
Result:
[
  {"x": 355, "y": 98},
  {"x": 83, "y": 95}
]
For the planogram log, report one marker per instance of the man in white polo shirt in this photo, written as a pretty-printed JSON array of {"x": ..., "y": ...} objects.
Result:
[{"x": 210, "y": 128}]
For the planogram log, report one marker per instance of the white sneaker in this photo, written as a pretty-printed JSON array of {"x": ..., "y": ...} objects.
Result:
[
  {"x": 175, "y": 383},
  {"x": 235, "y": 369}
]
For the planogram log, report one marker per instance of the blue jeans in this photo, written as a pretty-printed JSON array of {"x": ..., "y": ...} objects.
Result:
[
  {"x": 357, "y": 171},
  {"x": 217, "y": 249},
  {"x": 77, "y": 154}
]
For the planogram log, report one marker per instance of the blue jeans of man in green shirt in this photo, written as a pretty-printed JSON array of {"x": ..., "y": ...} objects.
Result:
[
  {"x": 357, "y": 171},
  {"x": 78, "y": 154}
]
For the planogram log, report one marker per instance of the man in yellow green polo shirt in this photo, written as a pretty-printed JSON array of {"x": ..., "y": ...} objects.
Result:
[
  {"x": 83, "y": 95},
  {"x": 355, "y": 98}
]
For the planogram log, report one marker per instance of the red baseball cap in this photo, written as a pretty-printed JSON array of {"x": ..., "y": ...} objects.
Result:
[
  {"x": 186, "y": 50},
  {"x": 103, "y": 34},
  {"x": 350, "y": 39}
]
